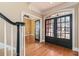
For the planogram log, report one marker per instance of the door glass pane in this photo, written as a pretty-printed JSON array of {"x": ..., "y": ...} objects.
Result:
[
  {"x": 47, "y": 30},
  {"x": 62, "y": 24},
  {"x": 58, "y": 35},
  {"x": 67, "y": 18},
  {"x": 49, "y": 34},
  {"x": 49, "y": 21},
  {"x": 58, "y": 20},
  {"x": 37, "y": 30},
  {"x": 52, "y": 35},
  {"x": 62, "y": 35},
  {"x": 50, "y": 27},
  {"x": 51, "y": 30},
  {"x": 52, "y": 21},
  {"x": 58, "y": 30},
  {"x": 67, "y": 30},
  {"x": 68, "y": 24},
  {"x": 58, "y": 24},
  {"x": 62, "y": 30},
  {"x": 63, "y": 19},
  {"x": 67, "y": 36}
]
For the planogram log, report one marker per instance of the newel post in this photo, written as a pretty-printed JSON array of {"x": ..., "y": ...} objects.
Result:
[{"x": 18, "y": 37}]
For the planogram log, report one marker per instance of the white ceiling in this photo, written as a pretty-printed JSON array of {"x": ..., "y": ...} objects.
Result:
[{"x": 44, "y": 6}]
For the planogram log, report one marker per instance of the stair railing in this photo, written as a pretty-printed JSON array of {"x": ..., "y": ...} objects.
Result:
[{"x": 18, "y": 24}]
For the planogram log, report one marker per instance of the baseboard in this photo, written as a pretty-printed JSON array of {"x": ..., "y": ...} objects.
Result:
[
  {"x": 2, "y": 46},
  {"x": 76, "y": 49},
  {"x": 29, "y": 34}
]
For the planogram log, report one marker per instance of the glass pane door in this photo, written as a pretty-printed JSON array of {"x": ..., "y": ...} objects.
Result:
[
  {"x": 63, "y": 27},
  {"x": 50, "y": 28},
  {"x": 58, "y": 30},
  {"x": 37, "y": 28}
]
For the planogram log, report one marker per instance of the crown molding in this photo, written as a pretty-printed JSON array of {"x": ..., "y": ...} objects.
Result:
[{"x": 60, "y": 7}]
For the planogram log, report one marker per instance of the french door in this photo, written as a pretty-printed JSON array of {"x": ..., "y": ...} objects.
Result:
[
  {"x": 58, "y": 30},
  {"x": 37, "y": 30}
]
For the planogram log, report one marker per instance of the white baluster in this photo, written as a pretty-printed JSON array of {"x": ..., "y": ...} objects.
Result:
[
  {"x": 24, "y": 38},
  {"x": 5, "y": 38},
  {"x": 11, "y": 40}
]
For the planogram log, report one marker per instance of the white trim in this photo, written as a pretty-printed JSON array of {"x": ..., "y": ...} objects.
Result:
[
  {"x": 22, "y": 32},
  {"x": 24, "y": 39},
  {"x": 73, "y": 31},
  {"x": 22, "y": 20},
  {"x": 40, "y": 30},
  {"x": 12, "y": 40},
  {"x": 27, "y": 13},
  {"x": 29, "y": 34},
  {"x": 76, "y": 49},
  {"x": 5, "y": 43},
  {"x": 59, "y": 11}
]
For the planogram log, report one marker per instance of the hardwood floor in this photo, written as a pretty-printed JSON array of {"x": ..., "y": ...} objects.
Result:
[
  {"x": 47, "y": 49},
  {"x": 42, "y": 49}
]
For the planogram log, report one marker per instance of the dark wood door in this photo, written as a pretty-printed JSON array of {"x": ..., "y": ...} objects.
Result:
[{"x": 59, "y": 30}]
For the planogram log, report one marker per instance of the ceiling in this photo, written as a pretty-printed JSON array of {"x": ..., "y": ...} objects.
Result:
[{"x": 43, "y": 6}]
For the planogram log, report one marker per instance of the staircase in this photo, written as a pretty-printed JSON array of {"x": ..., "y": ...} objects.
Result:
[{"x": 10, "y": 37}]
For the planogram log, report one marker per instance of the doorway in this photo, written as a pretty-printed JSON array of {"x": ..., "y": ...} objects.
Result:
[
  {"x": 29, "y": 30},
  {"x": 58, "y": 30}
]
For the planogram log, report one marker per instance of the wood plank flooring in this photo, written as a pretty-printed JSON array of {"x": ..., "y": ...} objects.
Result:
[
  {"x": 42, "y": 49},
  {"x": 47, "y": 49}
]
